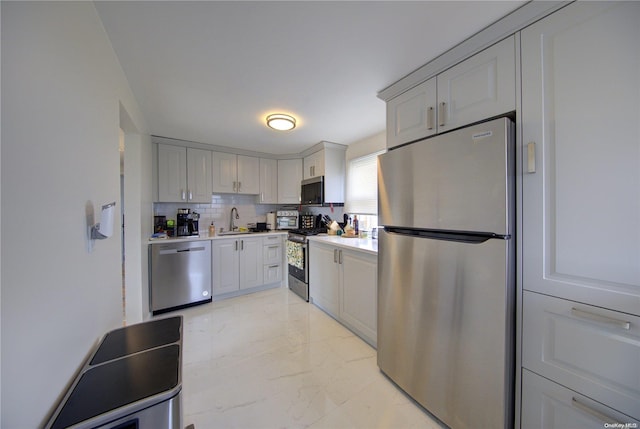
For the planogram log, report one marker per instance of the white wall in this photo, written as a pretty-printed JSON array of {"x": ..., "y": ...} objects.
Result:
[
  {"x": 62, "y": 91},
  {"x": 366, "y": 146}
]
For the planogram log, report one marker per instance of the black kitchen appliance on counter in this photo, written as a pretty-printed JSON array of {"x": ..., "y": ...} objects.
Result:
[
  {"x": 133, "y": 380},
  {"x": 187, "y": 223}
]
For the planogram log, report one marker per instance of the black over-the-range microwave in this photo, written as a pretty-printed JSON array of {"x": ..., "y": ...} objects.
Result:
[{"x": 312, "y": 192}]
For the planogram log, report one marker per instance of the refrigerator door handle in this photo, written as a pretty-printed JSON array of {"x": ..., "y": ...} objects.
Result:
[{"x": 458, "y": 236}]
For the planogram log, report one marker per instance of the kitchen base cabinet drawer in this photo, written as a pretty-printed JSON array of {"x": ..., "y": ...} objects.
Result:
[
  {"x": 588, "y": 349},
  {"x": 547, "y": 405},
  {"x": 272, "y": 254},
  {"x": 272, "y": 273}
]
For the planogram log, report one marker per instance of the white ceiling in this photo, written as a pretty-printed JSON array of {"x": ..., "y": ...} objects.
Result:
[{"x": 210, "y": 71}]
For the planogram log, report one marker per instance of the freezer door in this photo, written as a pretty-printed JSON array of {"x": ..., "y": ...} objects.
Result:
[
  {"x": 460, "y": 181},
  {"x": 446, "y": 323}
]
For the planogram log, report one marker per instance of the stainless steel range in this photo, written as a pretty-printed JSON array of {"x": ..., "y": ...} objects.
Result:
[{"x": 298, "y": 259}]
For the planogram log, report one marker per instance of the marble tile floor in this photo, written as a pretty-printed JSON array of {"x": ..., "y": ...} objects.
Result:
[{"x": 269, "y": 360}]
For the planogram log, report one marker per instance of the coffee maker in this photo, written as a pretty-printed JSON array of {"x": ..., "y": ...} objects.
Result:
[{"x": 187, "y": 223}]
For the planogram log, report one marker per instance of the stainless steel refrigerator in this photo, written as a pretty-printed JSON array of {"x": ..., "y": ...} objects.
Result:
[{"x": 446, "y": 273}]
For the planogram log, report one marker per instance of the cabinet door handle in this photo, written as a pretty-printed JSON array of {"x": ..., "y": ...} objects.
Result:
[
  {"x": 239, "y": 186},
  {"x": 241, "y": 244},
  {"x": 441, "y": 110},
  {"x": 190, "y": 195},
  {"x": 600, "y": 319},
  {"x": 340, "y": 257},
  {"x": 236, "y": 245},
  {"x": 602, "y": 417},
  {"x": 262, "y": 197},
  {"x": 183, "y": 195},
  {"x": 335, "y": 256},
  {"x": 531, "y": 157},
  {"x": 430, "y": 117},
  {"x": 235, "y": 187}
]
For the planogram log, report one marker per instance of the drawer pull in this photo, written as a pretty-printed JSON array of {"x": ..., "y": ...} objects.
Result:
[
  {"x": 601, "y": 319},
  {"x": 591, "y": 411}
]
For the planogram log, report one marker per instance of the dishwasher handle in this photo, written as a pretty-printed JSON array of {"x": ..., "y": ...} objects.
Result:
[{"x": 181, "y": 250}]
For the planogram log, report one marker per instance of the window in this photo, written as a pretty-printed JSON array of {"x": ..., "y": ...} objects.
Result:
[{"x": 362, "y": 187}]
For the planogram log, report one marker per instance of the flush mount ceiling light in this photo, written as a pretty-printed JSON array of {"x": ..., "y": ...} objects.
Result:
[{"x": 281, "y": 122}]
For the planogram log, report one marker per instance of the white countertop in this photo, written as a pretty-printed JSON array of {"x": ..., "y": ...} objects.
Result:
[
  {"x": 367, "y": 245},
  {"x": 204, "y": 235}
]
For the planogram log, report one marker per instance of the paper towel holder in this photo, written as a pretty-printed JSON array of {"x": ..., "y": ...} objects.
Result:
[{"x": 104, "y": 228}]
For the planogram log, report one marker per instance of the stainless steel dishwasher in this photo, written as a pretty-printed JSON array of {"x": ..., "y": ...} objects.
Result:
[{"x": 179, "y": 275}]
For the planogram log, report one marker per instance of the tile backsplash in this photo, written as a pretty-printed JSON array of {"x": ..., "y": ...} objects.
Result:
[{"x": 219, "y": 210}]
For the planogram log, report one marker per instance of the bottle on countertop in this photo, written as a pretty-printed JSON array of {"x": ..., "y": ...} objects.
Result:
[
  {"x": 212, "y": 230},
  {"x": 356, "y": 229}
]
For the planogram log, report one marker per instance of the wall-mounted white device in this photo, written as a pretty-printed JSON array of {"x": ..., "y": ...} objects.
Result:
[{"x": 104, "y": 228}]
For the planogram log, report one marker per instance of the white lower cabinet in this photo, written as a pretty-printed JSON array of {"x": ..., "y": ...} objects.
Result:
[
  {"x": 546, "y": 404},
  {"x": 272, "y": 259},
  {"x": 250, "y": 254},
  {"x": 344, "y": 283},
  {"x": 324, "y": 278},
  {"x": 236, "y": 264},
  {"x": 246, "y": 264},
  {"x": 590, "y": 350},
  {"x": 225, "y": 267}
]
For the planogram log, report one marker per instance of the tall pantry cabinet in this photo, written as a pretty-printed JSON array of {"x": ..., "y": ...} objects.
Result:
[{"x": 581, "y": 217}]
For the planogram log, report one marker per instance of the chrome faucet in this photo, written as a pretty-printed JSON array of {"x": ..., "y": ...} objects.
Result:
[{"x": 232, "y": 227}]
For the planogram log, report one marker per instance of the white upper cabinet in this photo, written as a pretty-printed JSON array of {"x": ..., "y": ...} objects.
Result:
[
  {"x": 314, "y": 165},
  {"x": 225, "y": 172},
  {"x": 581, "y": 184},
  {"x": 412, "y": 115},
  {"x": 248, "y": 175},
  {"x": 199, "y": 175},
  {"x": 289, "y": 178},
  {"x": 480, "y": 87},
  {"x": 268, "y": 181},
  {"x": 330, "y": 163},
  {"x": 235, "y": 174},
  {"x": 184, "y": 174},
  {"x": 172, "y": 173}
]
